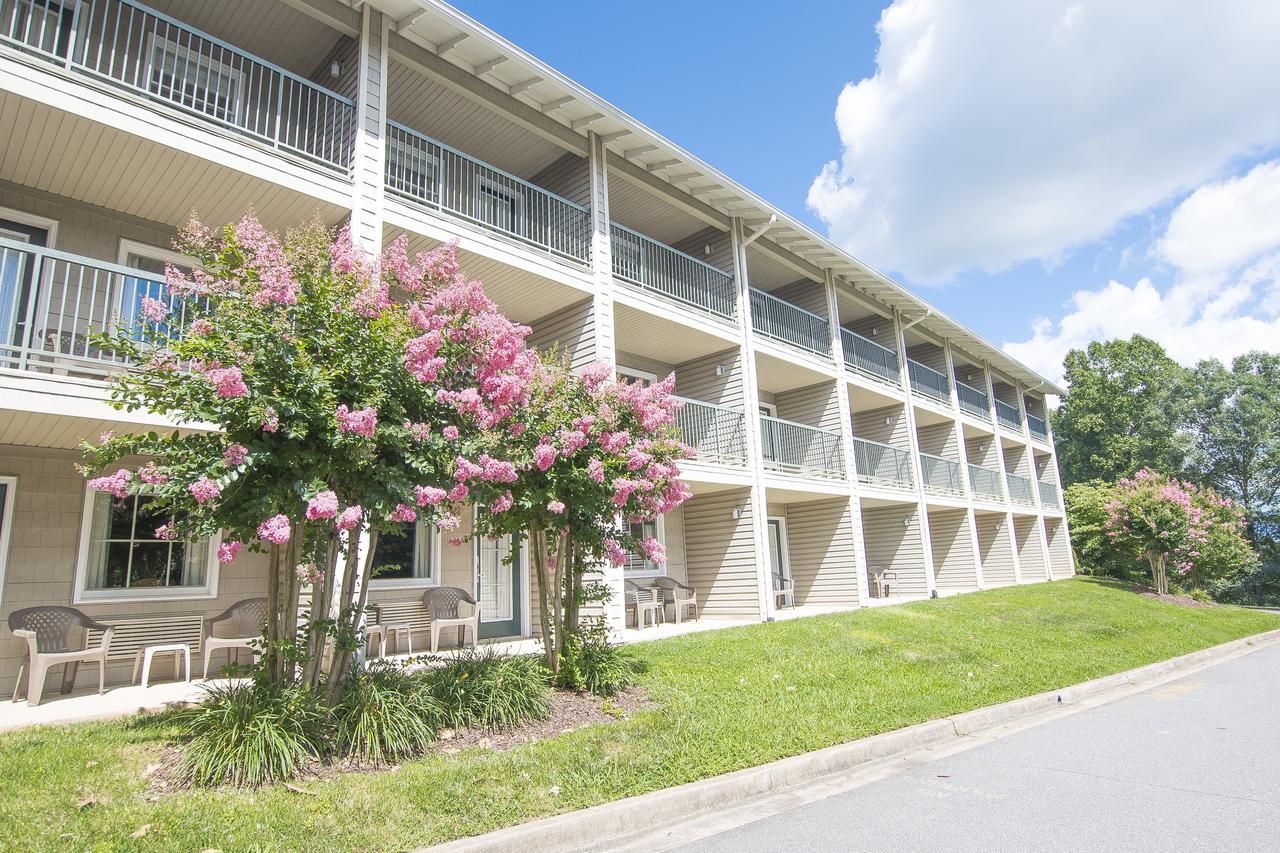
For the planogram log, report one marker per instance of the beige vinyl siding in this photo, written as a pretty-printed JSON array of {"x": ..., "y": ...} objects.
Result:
[
  {"x": 644, "y": 364},
  {"x": 721, "y": 254},
  {"x": 995, "y": 547},
  {"x": 1030, "y": 553},
  {"x": 928, "y": 354},
  {"x": 954, "y": 567},
  {"x": 981, "y": 451},
  {"x": 720, "y": 554},
  {"x": 697, "y": 379},
  {"x": 1017, "y": 461},
  {"x": 1059, "y": 548},
  {"x": 1044, "y": 467},
  {"x": 939, "y": 440},
  {"x": 816, "y": 406},
  {"x": 820, "y": 544},
  {"x": 896, "y": 546},
  {"x": 806, "y": 294},
  {"x": 569, "y": 177},
  {"x": 571, "y": 332},
  {"x": 874, "y": 328},
  {"x": 347, "y": 54},
  {"x": 871, "y": 425}
]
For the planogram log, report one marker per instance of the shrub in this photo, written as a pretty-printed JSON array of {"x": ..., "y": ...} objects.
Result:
[
  {"x": 384, "y": 715},
  {"x": 248, "y": 734},
  {"x": 593, "y": 664},
  {"x": 489, "y": 690}
]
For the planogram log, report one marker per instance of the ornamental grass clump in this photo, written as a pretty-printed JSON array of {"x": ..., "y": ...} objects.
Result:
[
  {"x": 592, "y": 664},
  {"x": 489, "y": 690},
  {"x": 385, "y": 715}
]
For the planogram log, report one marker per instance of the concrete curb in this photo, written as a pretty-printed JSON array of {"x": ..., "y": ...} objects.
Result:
[{"x": 621, "y": 819}]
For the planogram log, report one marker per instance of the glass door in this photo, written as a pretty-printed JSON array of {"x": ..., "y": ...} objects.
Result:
[
  {"x": 17, "y": 272},
  {"x": 778, "y": 552},
  {"x": 498, "y": 580}
]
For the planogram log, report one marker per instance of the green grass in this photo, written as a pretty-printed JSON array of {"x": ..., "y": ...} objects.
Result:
[{"x": 725, "y": 700}]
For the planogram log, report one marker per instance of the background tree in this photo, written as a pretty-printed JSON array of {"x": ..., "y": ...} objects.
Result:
[{"x": 1124, "y": 411}]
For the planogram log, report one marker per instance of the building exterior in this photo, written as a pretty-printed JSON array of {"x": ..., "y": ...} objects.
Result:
[{"x": 853, "y": 443}]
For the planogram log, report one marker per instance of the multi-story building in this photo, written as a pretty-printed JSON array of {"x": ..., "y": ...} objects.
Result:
[{"x": 854, "y": 444}]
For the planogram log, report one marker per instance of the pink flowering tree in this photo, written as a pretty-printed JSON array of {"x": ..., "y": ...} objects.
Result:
[
  {"x": 322, "y": 409},
  {"x": 594, "y": 456},
  {"x": 1176, "y": 527}
]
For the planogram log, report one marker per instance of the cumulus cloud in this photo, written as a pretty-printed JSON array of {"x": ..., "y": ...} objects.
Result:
[
  {"x": 1223, "y": 243},
  {"x": 1007, "y": 130}
]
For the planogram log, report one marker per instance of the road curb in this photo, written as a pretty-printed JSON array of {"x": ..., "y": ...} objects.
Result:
[{"x": 630, "y": 817}]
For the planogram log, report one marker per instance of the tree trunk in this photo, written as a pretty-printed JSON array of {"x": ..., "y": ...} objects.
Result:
[
  {"x": 1159, "y": 573},
  {"x": 273, "y": 612},
  {"x": 353, "y": 609},
  {"x": 538, "y": 550}
]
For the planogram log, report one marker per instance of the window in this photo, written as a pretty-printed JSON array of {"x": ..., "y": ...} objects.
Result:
[
  {"x": 8, "y": 487},
  {"x": 44, "y": 25},
  {"x": 631, "y": 374},
  {"x": 151, "y": 260},
  {"x": 183, "y": 71},
  {"x": 407, "y": 559},
  {"x": 121, "y": 557},
  {"x": 637, "y": 565},
  {"x": 17, "y": 273}
]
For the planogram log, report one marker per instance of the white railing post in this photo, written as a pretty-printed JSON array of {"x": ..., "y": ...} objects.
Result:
[{"x": 922, "y": 507}]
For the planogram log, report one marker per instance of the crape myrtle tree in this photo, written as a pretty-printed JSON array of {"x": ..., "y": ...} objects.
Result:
[
  {"x": 339, "y": 413},
  {"x": 1173, "y": 524},
  {"x": 597, "y": 455}
]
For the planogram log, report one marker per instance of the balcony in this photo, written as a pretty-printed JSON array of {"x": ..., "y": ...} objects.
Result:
[
  {"x": 779, "y": 319},
  {"x": 973, "y": 401},
  {"x": 882, "y": 463},
  {"x": 717, "y": 433},
  {"x": 929, "y": 382},
  {"x": 941, "y": 475},
  {"x": 1008, "y": 416},
  {"x": 1020, "y": 490},
  {"x": 130, "y": 46},
  {"x": 51, "y": 302},
  {"x": 657, "y": 267},
  {"x": 1049, "y": 494},
  {"x": 434, "y": 175},
  {"x": 1037, "y": 427},
  {"x": 985, "y": 483},
  {"x": 868, "y": 357},
  {"x": 799, "y": 449}
]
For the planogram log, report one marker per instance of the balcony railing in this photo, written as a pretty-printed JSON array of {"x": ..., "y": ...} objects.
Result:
[
  {"x": 867, "y": 356},
  {"x": 716, "y": 432},
  {"x": 52, "y": 302},
  {"x": 929, "y": 382},
  {"x": 973, "y": 401},
  {"x": 1049, "y": 494},
  {"x": 985, "y": 482},
  {"x": 877, "y": 462},
  {"x": 129, "y": 45},
  {"x": 1037, "y": 427},
  {"x": 941, "y": 475},
  {"x": 1020, "y": 489},
  {"x": 779, "y": 319},
  {"x": 800, "y": 449},
  {"x": 433, "y": 174},
  {"x": 1008, "y": 415},
  {"x": 658, "y": 267}
]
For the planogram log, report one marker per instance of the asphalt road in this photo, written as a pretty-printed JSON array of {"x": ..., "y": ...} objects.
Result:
[{"x": 1193, "y": 764}]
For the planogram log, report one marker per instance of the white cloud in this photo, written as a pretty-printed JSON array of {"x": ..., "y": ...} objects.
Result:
[
  {"x": 1007, "y": 130},
  {"x": 1224, "y": 242}
]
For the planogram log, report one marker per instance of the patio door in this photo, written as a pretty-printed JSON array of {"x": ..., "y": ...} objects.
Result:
[
  {"x": 498, "y": 583},
  {"x": 17, "y": 271},
  {"x": 778, "y": 550}
]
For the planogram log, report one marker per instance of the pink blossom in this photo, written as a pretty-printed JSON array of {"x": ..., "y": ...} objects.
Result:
[
  {"x": 350, "y": 518},
  {"x": 228, "y": 381},
  {"x": 234, "y": 455},
  {"x": 204, "y": 490},
  {"x": 544, "y": 456},
  {"x": 153, "y": 309},
  {"x": 227, "y": 551},
  {"x": 497, "y": 470},
  {"x": 166, "y": 532},
  {"x": 502, "y": 504},
  {"x": 420, "y": 431},
  {"x": 450, "y": 432},
  {"x": 428, "y": 495},
  {"x": 459, "y": 492},
  {"x": 270, "y": 420},
  {"x": 447, "y": 522},
  {"x": 403, "y": 514},
  {"x": 201, "y": 327},
  {"x": 615, "y": 552},
  {"x": 308, "y": 573},
  {"x": 595, "y": 470},
  {"x": 654, "y": 550},
  {"x": 457, "y": 541},
  {"x": 556, "y": 507},
  {"x": 275, "y": 529},
  {"x": 116, "y": 484},
  {"x": 372, "y": 300},
  {"x": 464, "y": 469},
  {"x": 323, "y": 505},
  {"x": 596, "y": 374},
  {"x": 265, "y": 258},
  {"x": 152, "y": 475},
  {"x": 361, "y": 421},
  {"x": 615, "y": 442},
  {"x": 571, "y": 441}
]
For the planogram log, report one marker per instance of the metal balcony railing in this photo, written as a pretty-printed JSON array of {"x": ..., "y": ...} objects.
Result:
[
  {"x": 716, "y": 432},
  {"x": 929, "y": 382},
  {"x": 1008, "y": 415},
  {"x": 433, "y": 174},
  {"x": 801, "y": 449},
  {"x": 129, "y": 45},
  {"x": 1037, "y": 427},
  {"x": 973, "y": 401},
  {"x": 1049, "y": 494},
  {"x": 52, "y": 302},
  {"x": 941, "y": 475},
  {"x": 1020, "y": 489},
  {"x": 985, "y": 482},
  {"x": 883, "y": 463},
  {"x": 777, "y": 318},
  {"x": 658, "y": 267},
  {"x": 867, "y": 356}
]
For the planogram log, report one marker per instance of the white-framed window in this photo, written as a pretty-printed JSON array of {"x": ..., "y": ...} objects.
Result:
[
  {"x": 408, "y": 559},
  {"x": 121, "y": 559},
  {"x": 149, "y": 259},
  {"x": 637, "y": 566},
  {"x": 499, "y": 205},
  {"x": 769, "y": 410},
  {"x": 632, "y": 374},
  {"x": 8, "y": 496},
  {"x": 185, "y": 72}
]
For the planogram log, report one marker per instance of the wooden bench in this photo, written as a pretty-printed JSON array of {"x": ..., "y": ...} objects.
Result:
[
  {"x": 133, "y": 634},
  {"x": 397, "y": 617}
]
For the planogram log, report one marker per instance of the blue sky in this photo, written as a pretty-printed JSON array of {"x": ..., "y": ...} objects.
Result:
[{"x": 1045, "y": 173}]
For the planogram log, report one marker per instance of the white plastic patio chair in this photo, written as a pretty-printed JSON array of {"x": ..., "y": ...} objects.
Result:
[
  {"x": 47, "y": 631},
  {"x": 250, "y": 617}
]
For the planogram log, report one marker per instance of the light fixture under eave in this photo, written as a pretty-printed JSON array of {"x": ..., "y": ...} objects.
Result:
[
  {"x": 737, "y": 512},
  {"x": 335, "y": 69},
  {"x": 721, "y": 370}
]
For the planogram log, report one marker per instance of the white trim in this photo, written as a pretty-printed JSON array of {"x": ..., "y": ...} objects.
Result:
[
  {"x": 785, "y": 568},
  {"x": 433, "y": 579},
  {"x": 82, "y": 596},
  {"x": 50, "y": 225},
  {"x": 634, "y": 373},
  {"x": 159, "y": 253},
  {"x": 6, "y": 524},
  {"x": 659, "y": 533},
  {"x": 769, "y": 410},
  {"x": 475, "y": 556}
]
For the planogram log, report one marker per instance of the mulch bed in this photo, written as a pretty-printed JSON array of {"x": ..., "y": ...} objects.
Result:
[{"x": 1170, "y": 598}]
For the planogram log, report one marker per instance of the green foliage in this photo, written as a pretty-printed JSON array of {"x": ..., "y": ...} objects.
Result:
[
  {"x": 384, "y": 715},
  {"x": 250, "y": 733},
  {"x": 489, "y": 690},
  {"x": 1259, "y": 587},
  {"x": 1086, "y": 519},
  {"x": 592, "y": 664}
]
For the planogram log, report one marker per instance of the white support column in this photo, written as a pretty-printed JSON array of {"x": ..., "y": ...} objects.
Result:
[
  {"x": 922, "y": 507},
  {"x": 1004, "y": 474},
  {"x": 751, "y": 407},
  {"x": 846, "y": 438},
  {"x": 964, "y": 469},
  {"x": 1062, "y": 494},
  {"x": 368, "y": 156},
  {"x": 1035, "y": 480}
]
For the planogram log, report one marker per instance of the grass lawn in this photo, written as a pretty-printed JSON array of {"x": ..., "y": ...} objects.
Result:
[{"x": 725, "y": 700}]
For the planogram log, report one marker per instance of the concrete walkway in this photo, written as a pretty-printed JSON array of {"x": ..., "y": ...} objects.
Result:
[{"x": 1192, "y": 764}]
